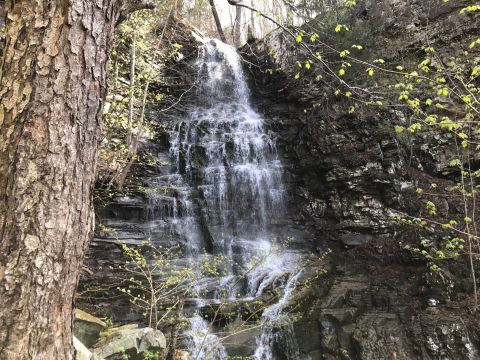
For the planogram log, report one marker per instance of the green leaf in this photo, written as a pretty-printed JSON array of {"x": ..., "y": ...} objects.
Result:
[
  {"x": 339, "y": 28},
  {"x": 474, "y": 72},
  {"x": 415, "y": 127},
  {"x": 443, "y": 91},
  {"x": 455, "y": 162},
  {"x": 399, "y": 129}
]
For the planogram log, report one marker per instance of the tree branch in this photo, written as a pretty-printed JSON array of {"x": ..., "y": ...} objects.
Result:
[{"x": 131, "y": 6}]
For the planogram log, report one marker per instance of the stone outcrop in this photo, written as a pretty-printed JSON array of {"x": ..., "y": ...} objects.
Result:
[
  {"x": 130, "y": 341},
  {"x": 87, "y": 328},
  {"x": 94, "y": 340},
  {"x": 348, "y": 174}
]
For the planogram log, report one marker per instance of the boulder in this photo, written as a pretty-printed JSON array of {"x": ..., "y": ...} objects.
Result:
[
  {"x": 81, "y": 351},
  {"x": 242, "y": 343},
  {"x": 131, "y": 342},
  {"x": 87, "y": 328},
  {"x": 152, "y": 341}
]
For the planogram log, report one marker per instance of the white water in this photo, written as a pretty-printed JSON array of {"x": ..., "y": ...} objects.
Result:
[
  {"x": 225, "y": 193},
  {"x": 273, "y": 319},
  {"x": 202, "y": 344}
]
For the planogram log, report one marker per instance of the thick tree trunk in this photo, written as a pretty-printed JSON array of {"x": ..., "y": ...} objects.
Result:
[
  {"x": 52, "y": 87},
  {"x": 218, "y": 24}
]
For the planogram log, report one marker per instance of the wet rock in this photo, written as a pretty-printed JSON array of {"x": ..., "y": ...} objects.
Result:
[
  {"x": 307, "y": 334},
  {"x": 242, "y": 342}
]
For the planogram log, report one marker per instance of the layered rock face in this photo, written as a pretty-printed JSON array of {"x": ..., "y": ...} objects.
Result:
[
  {"x": 341, "y": 177},
  {"x": 348, "y": 174}
]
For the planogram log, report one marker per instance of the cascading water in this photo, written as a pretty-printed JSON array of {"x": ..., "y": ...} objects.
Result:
[
  {"x": 223, "y": 147},
  {"x": 225, "y": 194},
  {"x": 202, "y": 344},
  {"x": 274, "y": 318}
]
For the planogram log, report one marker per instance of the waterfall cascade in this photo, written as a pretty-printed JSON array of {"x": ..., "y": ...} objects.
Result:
[{"x": 225, "y": 197}]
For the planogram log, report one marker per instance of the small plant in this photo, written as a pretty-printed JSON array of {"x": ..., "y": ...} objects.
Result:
[
  {"x": 108, "y": 329},
  {"x": 151, "y": 355},
  {"x": 122, "y": 353},
  {"x": 153, "y": 281}
]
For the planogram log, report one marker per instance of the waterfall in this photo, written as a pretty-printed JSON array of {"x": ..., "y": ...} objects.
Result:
[
  {"x": 202, "y": 344},
  {"x": 274, "y": 319},
  {"x": 223, "y": 146},
  {"x": 224, "y": 193}
]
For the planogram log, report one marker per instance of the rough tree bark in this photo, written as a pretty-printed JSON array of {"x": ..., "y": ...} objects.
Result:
[
  {"x": 217, "y": 21},
  {"x": 52, "y": 86}
]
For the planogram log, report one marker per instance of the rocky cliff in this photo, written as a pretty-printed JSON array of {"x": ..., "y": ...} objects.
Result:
[
  {"x": 349, "y": 173},
  {"x": 345, "y": 176}
]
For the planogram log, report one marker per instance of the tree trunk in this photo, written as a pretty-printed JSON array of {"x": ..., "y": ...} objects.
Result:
[
  {"x": 52, "y": 86},
  {"x": 237, "y": 37},
  {"x": 217, "y": 21}
]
